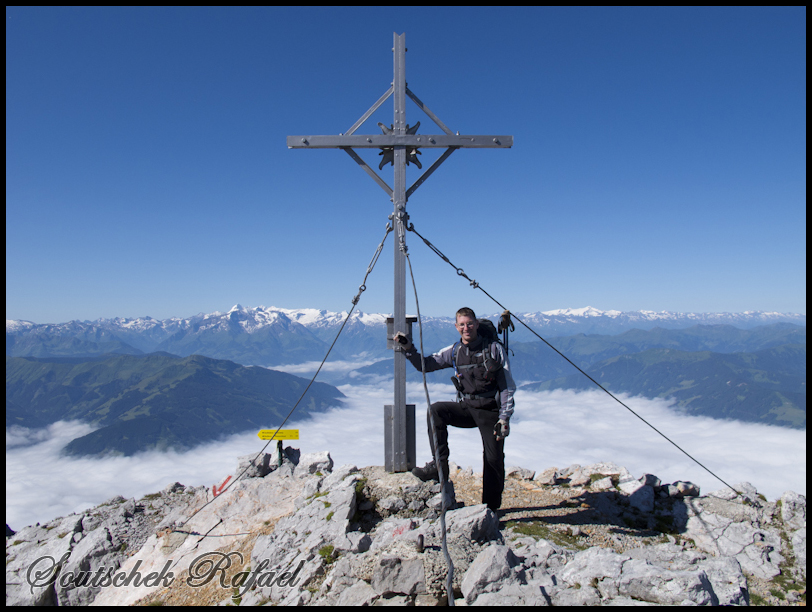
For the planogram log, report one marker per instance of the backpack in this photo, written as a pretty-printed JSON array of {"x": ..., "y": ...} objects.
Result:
[{"x": 488, "y": 331}]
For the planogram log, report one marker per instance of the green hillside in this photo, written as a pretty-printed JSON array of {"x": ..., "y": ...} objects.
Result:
[
  {"x": 766, "y": 386},
  {"x": 152, "y": 401}
]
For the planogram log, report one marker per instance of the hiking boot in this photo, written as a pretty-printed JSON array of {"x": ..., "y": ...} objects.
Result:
[{"x": 427, "y": 472}]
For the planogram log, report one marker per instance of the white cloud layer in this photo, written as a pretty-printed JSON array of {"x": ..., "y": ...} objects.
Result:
[
  {"x": 555, "y": 428},
  {"x": 310, "y": 367}
]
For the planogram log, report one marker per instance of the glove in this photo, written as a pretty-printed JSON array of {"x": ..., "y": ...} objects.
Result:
[
  {"x": 402, "y": 340},
  {"x": 501, "y": 430},
  {"x": 505, "y": 323}
]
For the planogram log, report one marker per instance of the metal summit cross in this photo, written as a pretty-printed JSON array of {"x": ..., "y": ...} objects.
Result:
[{"x": 400, "y": 146}]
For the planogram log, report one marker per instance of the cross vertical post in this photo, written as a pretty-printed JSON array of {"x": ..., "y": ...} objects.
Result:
[
  {"x": 399, "y": 145},
  {"x": 397, "y": 457}
]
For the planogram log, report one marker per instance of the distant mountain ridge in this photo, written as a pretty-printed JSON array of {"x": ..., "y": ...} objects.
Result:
[
  {"x": 274, "y": 336},
  {"x": 140, "y": 402},
  {"x": 766, "y": 386}
]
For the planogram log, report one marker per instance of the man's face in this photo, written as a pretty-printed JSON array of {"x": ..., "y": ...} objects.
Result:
[{"x": 467, "y": 327}]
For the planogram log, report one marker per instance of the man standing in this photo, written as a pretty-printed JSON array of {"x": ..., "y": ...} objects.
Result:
[{"x": 485, "y": 391}]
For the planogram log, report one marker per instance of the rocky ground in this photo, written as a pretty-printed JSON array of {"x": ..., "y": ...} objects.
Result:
[
  {"x": 583, "y": 535},
  {"x": 576, "y": 518}
]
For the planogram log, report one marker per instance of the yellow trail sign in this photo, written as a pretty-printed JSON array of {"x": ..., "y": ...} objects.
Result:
[{"x": 282, "y": 434}]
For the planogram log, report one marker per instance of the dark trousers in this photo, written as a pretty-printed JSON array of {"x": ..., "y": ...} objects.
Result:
[{"x": 459, "y": 414}]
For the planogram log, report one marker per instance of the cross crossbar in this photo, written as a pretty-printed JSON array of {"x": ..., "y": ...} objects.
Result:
[{"x": 422, "y": 141}]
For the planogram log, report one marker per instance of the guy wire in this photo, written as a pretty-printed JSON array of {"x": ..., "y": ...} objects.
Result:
[
  {"x": 475, "y": 285},
  {"x": 443, "y": 486},
  {"x": 355, "y": 300}
]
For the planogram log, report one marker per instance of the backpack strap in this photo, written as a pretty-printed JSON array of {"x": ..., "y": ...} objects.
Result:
[
  {"x": 488, "y": 361},
  {"x": 456, "y": 378}
]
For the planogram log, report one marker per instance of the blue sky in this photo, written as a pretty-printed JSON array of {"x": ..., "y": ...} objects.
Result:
[{"x": 659, "y": 158}]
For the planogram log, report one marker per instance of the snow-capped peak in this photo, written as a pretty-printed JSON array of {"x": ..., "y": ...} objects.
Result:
[
  {"x": 564, "y": 320},
  {"x": 13, "y": 325}
]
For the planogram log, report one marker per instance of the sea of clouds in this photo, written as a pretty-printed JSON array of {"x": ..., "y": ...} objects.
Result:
[{"x": 555, "y": 428}]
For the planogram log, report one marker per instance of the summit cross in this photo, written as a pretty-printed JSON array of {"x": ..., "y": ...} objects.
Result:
[{"x": 400, "y": 145}]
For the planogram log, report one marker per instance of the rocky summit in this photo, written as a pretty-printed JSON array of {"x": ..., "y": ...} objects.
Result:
[{"x": 295, "y": 530}]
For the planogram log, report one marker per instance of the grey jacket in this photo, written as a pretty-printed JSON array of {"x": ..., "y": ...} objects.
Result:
[{"x": 504, "y": 379}]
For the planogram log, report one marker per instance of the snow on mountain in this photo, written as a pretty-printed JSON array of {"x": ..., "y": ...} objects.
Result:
[
  {"x": 663, "y": 318},
  {"x": 310, "y": 317},
  {"x": 254, "y": 319},
  {"x": 17, "y": 326},
  {"x": 588, "y": 311}
]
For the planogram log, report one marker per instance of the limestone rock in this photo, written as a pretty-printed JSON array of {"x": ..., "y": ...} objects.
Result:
[
  {"x": 603, "y": 484},
  {"x": 685, "y": 489},
  {"x": 547, "y": 477},
  {"x": 728, "y": 528},
  {"x": 652, "y": 481},
  {"x": 568, "y": 471},
  {"x": 541, "y": 554},
  {"x": 175, "y": 487},
  {"x": 393, "y": 575},
  {"x": 724, "y": 573},
  {"x": 519, "y": 473},
  {"x": 254, "y": 466},
  {"x": 337, "y": 475},
  {"x": 580, "y": 476},
  {"x": 581, "y": 596},
  {"x": 638, "y": 494},
  {"x": 28, "y": 546},
  {"x": 798, "y": 541},
  {"x": 359, "y": 594},
  {"x": 391, "y": 505},
  {"x": 793, "y": 510},
  {"x": 95, "y": 551},
  {"x": 596, "y": 566},
  {"x": 310, "y": 463},
  {"x": 642, "y": 581},
  {"x": 478, "y": 523},
  {"x": 490, "y": 571},
  {"x": 392, "y": 529},
  {"x": 515, "y": 594}
]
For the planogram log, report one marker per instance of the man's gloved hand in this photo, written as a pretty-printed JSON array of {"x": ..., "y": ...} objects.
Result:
[
  {"x": 501, "y": 430},
  {"x": 403, "y": 341}
]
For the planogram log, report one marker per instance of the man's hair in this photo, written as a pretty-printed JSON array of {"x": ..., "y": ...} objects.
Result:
[{"x": 465, "y": 312}]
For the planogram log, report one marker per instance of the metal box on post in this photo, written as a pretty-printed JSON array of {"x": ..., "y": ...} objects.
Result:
[
  {"x": 399, "y": 440},
  {"x": 390, "y": 330},
  {"x": 399, "y": 429}
]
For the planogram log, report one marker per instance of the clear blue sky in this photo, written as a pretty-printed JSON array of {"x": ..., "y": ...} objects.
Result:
[{"x": 659, "y": 159}]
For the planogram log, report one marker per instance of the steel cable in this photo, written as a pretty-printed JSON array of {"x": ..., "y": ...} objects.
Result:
[
  {"x": 475, "y": 285},
  {"x": 443, "y": 484},
  {"x": 355, "y": 300}
]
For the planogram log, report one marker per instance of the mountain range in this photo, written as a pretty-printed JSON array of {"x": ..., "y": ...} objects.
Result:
[
  {"x": 149, "y": 377},
  {"x": 276, "y": 336}
]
